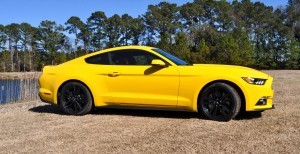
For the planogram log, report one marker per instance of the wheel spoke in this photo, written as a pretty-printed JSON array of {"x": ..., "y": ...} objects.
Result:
[
  {"x": 69, "y": 104},
  {"x": 215, "y": 111},
  {"x": 223, "y": 96},
  {"x": 76, "y": 90},
  {"x": 213, "y": 93},
  {"x": 81, "y": 102},
  {"x": 79, "y": 106},
  {"x": 212, "y": 109},
  {"x": 224, "y": 110},
  {"x": 75, "y": 107},
  {"x": 225, "y": 101},
  {"x": 217, "y": 94},
  {"x": 208, "y": 100},
  {"x": 82, "y": 97},
  {"x": 74, "y": 98},
  {"x": 66, "y": 98},
  {"x": 217, "y": 102},
  {"x": 68, "y": 92}
]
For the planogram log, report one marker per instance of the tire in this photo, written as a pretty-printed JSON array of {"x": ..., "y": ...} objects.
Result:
[
  {"x": 75, "y": 99},
  {"x": 219, "y": 102}
]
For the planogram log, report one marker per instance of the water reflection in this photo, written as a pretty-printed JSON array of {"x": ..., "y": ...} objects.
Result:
[{"x": 14, "y": 90}]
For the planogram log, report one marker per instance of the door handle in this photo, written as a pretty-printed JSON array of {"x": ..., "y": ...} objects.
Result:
[{"x": 114, "y": 74}]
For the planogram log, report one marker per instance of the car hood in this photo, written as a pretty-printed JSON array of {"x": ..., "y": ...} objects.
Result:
[{"x": 230, "y": 70}]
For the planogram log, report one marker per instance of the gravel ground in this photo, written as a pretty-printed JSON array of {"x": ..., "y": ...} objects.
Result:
[{"x": 35, "y": 127}]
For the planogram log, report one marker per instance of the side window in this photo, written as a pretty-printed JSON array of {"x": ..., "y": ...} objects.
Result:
[
  {"x": 98, "y": 59},
  {"x": 132, "y": 57},
  {"x": 123, "y": 57}
]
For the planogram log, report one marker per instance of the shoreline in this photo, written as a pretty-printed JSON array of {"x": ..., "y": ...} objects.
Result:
[{"x": 19, "y": 75}]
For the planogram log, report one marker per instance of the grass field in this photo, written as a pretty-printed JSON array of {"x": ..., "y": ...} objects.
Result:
[{"x": 35, "y": 127}]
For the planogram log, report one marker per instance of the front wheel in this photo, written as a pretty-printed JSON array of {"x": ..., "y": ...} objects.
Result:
[
  {"x": 219, "y": 102},
  {"x": 75, "y": 99}
]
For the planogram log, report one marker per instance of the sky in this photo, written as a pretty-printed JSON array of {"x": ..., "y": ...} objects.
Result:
[{"x": 35, "y": 11}]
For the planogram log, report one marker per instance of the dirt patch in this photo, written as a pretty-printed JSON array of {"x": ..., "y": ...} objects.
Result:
[{"x": 35, "y": 127}]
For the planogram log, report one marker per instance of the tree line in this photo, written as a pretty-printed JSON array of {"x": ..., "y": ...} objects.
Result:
[{"x": 204, "y": 31}]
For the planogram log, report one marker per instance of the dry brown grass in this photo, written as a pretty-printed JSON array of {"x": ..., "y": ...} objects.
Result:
[
  {"x": 19, "y": 75},
  {"x": 35, "y": 127}
]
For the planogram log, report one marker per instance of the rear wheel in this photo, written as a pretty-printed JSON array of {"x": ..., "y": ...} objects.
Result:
[
  {"x": 75, "y": 99},
  {"x": 220, "y": 102}
]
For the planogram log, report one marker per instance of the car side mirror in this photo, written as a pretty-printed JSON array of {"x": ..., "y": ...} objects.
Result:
[{"x": 158, "y": 62}]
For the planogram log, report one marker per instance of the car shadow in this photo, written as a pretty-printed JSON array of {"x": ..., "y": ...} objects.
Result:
[
  {"x": 54, "y": 109},
  {"x": 248, "y": 115},
  {"x": 147, "y": 113}
]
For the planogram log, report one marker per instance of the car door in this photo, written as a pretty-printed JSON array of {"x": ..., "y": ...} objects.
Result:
[{"x": 134, "y": 81}]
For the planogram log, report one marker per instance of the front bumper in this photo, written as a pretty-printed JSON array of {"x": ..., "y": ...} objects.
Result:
[
  {"x": 273, "y": 107},
  {"x": 257, "y": 93}
]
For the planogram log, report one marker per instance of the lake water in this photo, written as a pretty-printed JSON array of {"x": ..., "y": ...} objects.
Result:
[{"x": 15, "y": 90}]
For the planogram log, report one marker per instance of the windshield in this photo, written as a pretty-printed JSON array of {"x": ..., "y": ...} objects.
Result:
[{"x": 171, "y": 57}]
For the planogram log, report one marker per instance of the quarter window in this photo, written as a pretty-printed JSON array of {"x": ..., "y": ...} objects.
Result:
[{"x": 98, "y": 59}]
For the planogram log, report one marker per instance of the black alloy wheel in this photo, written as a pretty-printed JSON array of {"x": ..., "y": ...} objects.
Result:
[
  {"x": 75, "y": 99},
  {"x": 219, "y": 102}
]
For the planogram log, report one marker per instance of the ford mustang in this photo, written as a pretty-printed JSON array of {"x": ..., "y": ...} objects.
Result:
[{"x": 141, "y": 76}]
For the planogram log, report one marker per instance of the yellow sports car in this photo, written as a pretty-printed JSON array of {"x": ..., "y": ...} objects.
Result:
[{"x": 141, "y": 76}]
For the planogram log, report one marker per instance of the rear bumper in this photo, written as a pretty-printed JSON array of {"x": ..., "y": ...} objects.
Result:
[
  {"x": 45, "y": 101},
  {"x": 46, "y": 96}
]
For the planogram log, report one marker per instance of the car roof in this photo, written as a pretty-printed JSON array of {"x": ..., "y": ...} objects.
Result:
[{"x": 119, "y": 48}]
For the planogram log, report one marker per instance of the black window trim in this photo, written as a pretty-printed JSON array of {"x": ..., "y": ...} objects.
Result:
[{"x": 110, "y": 62}]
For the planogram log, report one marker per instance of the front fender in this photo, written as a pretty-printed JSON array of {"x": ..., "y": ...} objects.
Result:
[{"x": 238, "y": 82}]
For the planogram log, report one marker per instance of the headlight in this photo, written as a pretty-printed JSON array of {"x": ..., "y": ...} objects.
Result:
[{"x": 256, "y": 81}]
